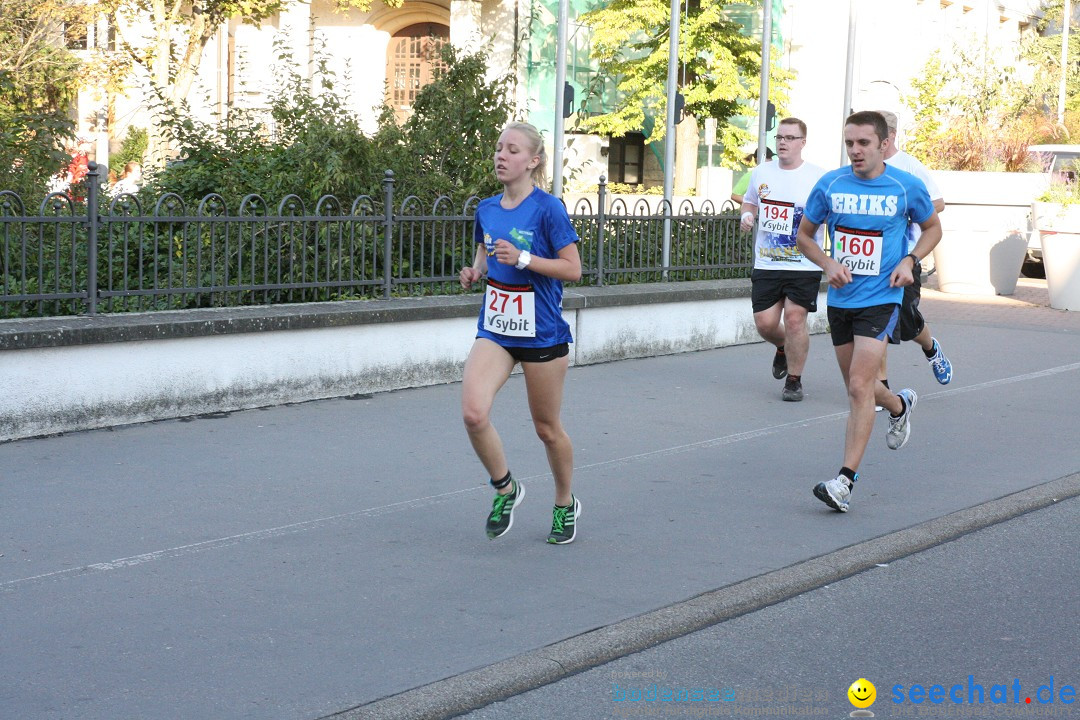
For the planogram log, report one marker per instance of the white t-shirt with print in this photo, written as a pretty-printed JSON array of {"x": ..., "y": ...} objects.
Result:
[{"x": 780, "y": 196}]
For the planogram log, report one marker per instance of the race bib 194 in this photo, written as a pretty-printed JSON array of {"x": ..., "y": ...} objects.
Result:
[
  {"x": 858, "y": 250},
  {"x": 777, "y": 217},
  {"x": 510, "y": 309}
]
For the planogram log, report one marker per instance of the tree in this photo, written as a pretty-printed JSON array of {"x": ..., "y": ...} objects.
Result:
[
  {"x": 179, "y": 33},
  {"x": 1042, "y": 51},
  {"x": 972, "y": 112},
  {"x": 319, "y": 148},
  {"x": 39, "y": 78},
  {"x": 39, "y": 74},
  {"x": 719, "y": 64}
]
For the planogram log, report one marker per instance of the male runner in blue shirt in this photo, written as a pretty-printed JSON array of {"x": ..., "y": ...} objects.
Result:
[{"x": 867, "y": 207}]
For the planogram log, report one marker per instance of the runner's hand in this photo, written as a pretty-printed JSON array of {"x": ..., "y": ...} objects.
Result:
[
  {"x": 901, "y": 276},
  {"x": 468, "y": 276},
  {"x": 838, "y": 275},
  {"x": 505, "y": 252}
]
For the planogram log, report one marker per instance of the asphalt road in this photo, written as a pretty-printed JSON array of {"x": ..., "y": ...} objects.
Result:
[
  {"x": 973, "y": 616},
  {"x": 311, "y": 560}
]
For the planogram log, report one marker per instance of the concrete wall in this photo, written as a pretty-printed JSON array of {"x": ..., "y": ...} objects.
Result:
[{"x": 66, "y": 374}]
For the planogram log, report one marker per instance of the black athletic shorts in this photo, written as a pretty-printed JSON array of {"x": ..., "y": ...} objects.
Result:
[
  {"x": 768, "y": 287},
  {"x": 877, "y": 321},
  {"x": 911, "y": 320},
  {"x": 538, "y": 354}
]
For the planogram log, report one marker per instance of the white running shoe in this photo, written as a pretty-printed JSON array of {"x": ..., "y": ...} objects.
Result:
[
  {"x": 835, "y": 493},
  {"x": 900, "y": 427}
]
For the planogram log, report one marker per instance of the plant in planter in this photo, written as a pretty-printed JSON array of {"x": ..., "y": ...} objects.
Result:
[{"x": 1055, "y": 216}]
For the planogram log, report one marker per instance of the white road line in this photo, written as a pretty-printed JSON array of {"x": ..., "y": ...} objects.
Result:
[{"x": 443, "y": 497}]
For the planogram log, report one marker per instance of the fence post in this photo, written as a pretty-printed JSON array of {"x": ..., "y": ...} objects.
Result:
[
  {"x": 601, "y": 218},
  {"x": 388, "y": 230},
  {"x": 91, "y": 237}
]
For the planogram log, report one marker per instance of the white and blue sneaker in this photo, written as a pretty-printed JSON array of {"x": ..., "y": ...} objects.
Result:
[
  {"x": 940, "y": 364},
  {"x": 835, "y": 493},
  {"x": 900, "y": 427}
]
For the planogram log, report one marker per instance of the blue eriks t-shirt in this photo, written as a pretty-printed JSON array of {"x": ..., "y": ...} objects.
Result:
[
  {"x": 869, "y": 212},
  {"x": 540, "y": 225}
]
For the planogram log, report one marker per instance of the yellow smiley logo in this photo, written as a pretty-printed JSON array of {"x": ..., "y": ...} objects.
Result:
[{"x": 862, "y": 693}]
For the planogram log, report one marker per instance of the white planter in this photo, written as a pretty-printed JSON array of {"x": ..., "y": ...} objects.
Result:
[
  {"x": 1061, "y": 259},
  {"x": 1059, "y": 230},
  {"x": 984, "y": 229},
  {"x": 1055, "y": 217},
  {"x": 980, "y": 262}
]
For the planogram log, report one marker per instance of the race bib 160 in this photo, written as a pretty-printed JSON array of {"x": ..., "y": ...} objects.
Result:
[{"x": 858, "y": 250}]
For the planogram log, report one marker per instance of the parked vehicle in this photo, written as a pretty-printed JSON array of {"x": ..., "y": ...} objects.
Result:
[{"x": 1063, "y": 164}]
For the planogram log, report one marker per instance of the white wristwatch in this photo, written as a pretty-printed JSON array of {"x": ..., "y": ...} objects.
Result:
[{"x": 523, "y": 260}]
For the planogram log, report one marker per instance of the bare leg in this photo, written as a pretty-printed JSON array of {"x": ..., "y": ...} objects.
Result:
[
  {"x": 859, "y": 363},
  {"x": 797, "y": 337},
  {"x": 924, "y": 339},
  {"x": 544, "y": 384},
  {"x": 486, "y": 371},
  {"x": 770, "y": 325}
]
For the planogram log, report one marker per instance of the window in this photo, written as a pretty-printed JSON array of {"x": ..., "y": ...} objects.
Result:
[
  {"x": 626, "y": 159},
  {"x": 413, "y": 60}
]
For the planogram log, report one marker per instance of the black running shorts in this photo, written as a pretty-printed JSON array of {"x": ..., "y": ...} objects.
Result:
[
  {"x": 877, "y": 321},
  {"x": 769, "y": 287},
  {"x": 538, "y": 355},
  {"x": 911, "y": 319}
]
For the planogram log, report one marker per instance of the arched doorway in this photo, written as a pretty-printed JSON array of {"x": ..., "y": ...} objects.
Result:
[{"x": 412, "y": 60}]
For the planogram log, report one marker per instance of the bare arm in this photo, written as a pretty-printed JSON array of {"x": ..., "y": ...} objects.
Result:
[
  {"x": 473, "y": 273},
  {"x": 931, "y": 236},
  {"x": 837, "y": 274},
  {"x": 747, "y": 223},
  {"x": 565, "y": 267}
]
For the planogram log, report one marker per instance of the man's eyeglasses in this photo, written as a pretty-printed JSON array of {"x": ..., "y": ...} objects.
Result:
[{"x": 789, "y": 138}]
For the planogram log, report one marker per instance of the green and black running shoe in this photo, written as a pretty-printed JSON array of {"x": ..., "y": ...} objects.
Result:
[
  {"x": 564, "y": 523},
  {"x": 502, "y": 510}
]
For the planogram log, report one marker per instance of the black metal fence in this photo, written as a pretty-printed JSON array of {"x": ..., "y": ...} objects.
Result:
[{"x": 125, "y": 254}]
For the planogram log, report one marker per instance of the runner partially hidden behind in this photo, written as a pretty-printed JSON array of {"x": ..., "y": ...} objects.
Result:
[
  {"x": 912, "y": 323},
  {"x": 867, "y": 207},
  {"x": 527, "y": 248}
]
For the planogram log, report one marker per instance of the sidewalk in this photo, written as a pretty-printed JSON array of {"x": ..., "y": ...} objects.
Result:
[{"x": 299, "y": 561}]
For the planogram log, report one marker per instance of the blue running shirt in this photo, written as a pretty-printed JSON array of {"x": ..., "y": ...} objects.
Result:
[
  {"x": 868, "y": 229},
  {"x": 540, "y": 225}
]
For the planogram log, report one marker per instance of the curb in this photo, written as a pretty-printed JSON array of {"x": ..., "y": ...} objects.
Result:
[{"x": 477, "y": 688}]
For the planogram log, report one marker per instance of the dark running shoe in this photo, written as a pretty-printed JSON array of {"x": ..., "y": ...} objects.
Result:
[
  {"x": 502, "y": 510},
  {"x": 792, "y": 390},
  {"x": 779, "y": 365},
  {"x": 564, "y": 523}
]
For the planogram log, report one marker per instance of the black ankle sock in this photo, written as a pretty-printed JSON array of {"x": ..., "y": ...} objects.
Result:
[
  {"x": 849, "y": 474},
  {"x": 795, "y": 378},
  {"x": 780, "y": 350},
  {"x": 500, "y": 484},
  {"x": 903, "y": 406},
  {"x": 928, "y": 353}
]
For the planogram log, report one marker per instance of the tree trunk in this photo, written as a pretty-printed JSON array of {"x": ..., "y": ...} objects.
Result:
[
  {"x": 686, "y": 155},
  {"x": 157, "y": 143}
]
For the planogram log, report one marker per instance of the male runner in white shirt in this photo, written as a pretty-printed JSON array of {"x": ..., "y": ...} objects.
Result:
[
  {"x": 785, "y": 284},
  {"x": 912, "y": 323}
]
